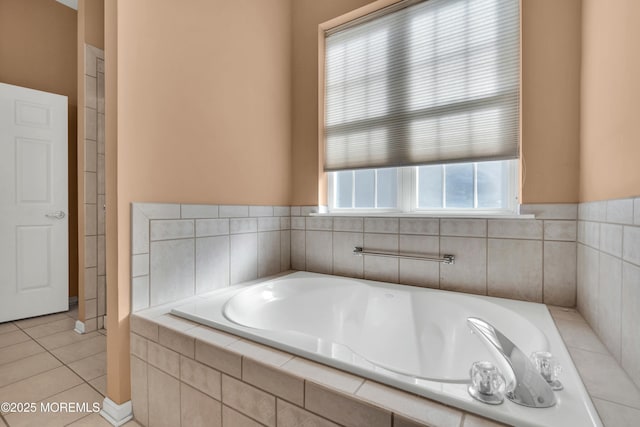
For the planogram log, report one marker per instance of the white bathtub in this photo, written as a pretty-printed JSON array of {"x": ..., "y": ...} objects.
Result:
[{"x": 411, "y": 338}]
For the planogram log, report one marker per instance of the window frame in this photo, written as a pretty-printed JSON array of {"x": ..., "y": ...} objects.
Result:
[
  {"x": 400, "y": 196},
  {"x": 407, "y": 193}
]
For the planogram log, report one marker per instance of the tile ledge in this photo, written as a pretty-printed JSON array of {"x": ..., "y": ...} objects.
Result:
[{"x": 424, "y": 215}]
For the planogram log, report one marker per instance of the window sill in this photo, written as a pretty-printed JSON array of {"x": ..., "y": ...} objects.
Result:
[{"x": 453, "y": 215}]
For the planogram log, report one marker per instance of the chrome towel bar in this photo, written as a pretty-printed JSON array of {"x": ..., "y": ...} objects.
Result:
[{"x": 446, "y": 259}]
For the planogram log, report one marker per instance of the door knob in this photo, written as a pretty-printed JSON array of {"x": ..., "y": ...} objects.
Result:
[{"x": 56, "y": 215}]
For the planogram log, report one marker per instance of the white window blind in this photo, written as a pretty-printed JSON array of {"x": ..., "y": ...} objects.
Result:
[{"x": 434, "y": 82}]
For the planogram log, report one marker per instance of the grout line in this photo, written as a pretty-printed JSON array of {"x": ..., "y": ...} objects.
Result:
[
  {"x": 622, "y": 288},
  {"x": 355, "y": 392},
  {"x": 279, "y": 399},
  {"x": 146, "y": 368},
  {"x": 34, "y": 375},
  {"x": 542, "y": 264},
  {"x": 637, "y": 408},
  {"x": 15, "y": 322},
  {"x": 86, "y": 336},
  {"x": 65, "y": 365},
  {"x": 592, "y": 352},
  {"x": 78, "y": 420},
  {"x": 486, "y": 262}
]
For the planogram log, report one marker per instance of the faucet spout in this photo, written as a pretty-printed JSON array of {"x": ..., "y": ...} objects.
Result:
[{"x": 524, "y": 384}]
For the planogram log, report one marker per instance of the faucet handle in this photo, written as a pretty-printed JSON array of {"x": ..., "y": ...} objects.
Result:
[
  {"x": 487, "y": 383},
  {"x": 548, "y": 367},
  {"x": 525, "y": 386}
]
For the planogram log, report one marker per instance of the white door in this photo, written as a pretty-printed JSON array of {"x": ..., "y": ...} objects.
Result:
[{"x": 34, "y": 276}]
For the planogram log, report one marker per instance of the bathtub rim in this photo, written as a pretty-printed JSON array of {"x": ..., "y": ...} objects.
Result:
[
  {"x": 516, "y": 415},
  {"x": 248, "y": 295}
]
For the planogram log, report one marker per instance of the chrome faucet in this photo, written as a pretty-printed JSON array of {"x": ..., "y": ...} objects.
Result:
[{"x": 524, "y": 384}]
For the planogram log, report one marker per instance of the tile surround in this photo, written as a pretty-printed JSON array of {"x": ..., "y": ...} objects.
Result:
[
  {"x": 212, "y": 263},
  {"x": 514, "y": 269},
  {"x": 184, "y": 250},
  {"x": 549, "y": 240},
  {"x": 608, "y": 277},
  {"x": 229, "y": 245},
  {"x": 94, "y": 189},
  {"x": 234, "y": 382},
  {"x": 260, "y": 244},
  {"x": 350, "y": 397},
  {"x": 485, "y": 250},
  {"x": 587, "y": 254},
  {"x": 171, "y": 270},
  {"x": 256, "y": 385}
]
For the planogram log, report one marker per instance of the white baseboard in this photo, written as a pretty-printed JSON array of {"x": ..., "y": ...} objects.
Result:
[
  {"x": 115, "y": 414},
  {"x": 79, "y": 327}
]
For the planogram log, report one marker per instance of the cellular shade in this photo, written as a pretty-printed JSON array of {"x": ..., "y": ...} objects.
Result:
[{"x": 426, "y": 83}]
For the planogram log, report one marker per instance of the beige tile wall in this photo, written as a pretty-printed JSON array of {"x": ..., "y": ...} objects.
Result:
[
  {"x": 526, "y": 259},
  {"x": 183, "y": 250},
  {"x": 94, "y": 171},
  {"x": 609, "y": 277},
  {"x": 184, "y": 374}
]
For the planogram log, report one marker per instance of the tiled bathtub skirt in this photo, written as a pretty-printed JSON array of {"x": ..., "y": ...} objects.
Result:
[
  {"x": 182, "y": 372},
  {"x": 183, "y": 250},
  {"x": 609, "y": 276}
]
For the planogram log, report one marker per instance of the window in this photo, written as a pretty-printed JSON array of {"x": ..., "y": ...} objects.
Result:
[
  {"x": 488, "y": 187},
  {"x": 421, "y": 107},
  {"x": 366, "y": 189}
]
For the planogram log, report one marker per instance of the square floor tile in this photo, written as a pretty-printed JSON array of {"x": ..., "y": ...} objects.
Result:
[
  {"x": 40, "y": 320},
  {"x": 40, "y": 386},
  {"x": 100, "y": 384},
  {"x": 91, "y": 367},
  {"x": 13, "y": 337},
  {"x": 7, "y": 327},
  {"x": 79, "y": 394},
  {"x": 80, "y": 350},
  {"x": 27, "y": 367},
  {"x": 64, "y": 338},
  {"x": 19, "y": 351},
  {"x": 96, "y": 420},
  {"x": 93, "y": 420},
  {"x": 54, "y": 327}
]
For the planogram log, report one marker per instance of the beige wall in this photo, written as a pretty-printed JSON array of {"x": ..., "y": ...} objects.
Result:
[
  {"x": 610, "y": 131},
  {"x": 307, "y": 14},
  {"x": 118, "y": 290},
  {"x": 550, "y": 93},
  {"x": 94, "y": 23},
  {"x": 38, "y": 51},
  {"x": 550, "y": 100},
  {"x": 205, "y": 112},
  {"x": 203, "y": 99}
]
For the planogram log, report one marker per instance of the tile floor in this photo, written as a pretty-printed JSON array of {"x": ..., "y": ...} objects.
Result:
[{"x": 44, "y": 360}]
